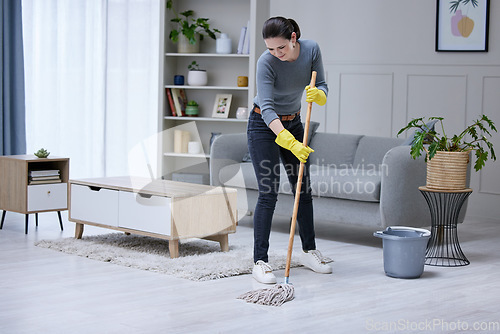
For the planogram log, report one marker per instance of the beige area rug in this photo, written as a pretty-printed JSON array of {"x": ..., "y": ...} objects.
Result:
[{"x": 199, "y": 260}]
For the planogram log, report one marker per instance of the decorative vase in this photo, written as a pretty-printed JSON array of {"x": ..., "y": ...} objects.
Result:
[
  {"x": 242, "y": 81},
  {"x": 242, "y": 113},
  {"x": 178, "y": 80},
  {"x": 197, "y": 78},
  {"x": 183, "y": 45},
  {"x": 447, "y": 171},
  {"x": 223, "y": 44}
]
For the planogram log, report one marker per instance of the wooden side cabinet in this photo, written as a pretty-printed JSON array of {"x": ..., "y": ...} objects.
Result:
[{"x": 31, "y": 185}]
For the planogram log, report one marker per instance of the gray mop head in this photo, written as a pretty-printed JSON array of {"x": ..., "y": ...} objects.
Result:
[{"x": 275, "y": 296}]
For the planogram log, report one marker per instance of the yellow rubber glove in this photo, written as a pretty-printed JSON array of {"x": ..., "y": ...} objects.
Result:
[
  {"x": 286, "y": 140},
  {"x": 313, "y": 94}
]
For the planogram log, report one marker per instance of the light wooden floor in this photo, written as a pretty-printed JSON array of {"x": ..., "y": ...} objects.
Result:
[{"x": 43, "y": 291}]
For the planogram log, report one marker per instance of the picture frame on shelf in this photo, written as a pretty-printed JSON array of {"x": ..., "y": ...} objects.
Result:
[
  {"x": 222, "y": 105},
  {"x": 462, "y": 26}
]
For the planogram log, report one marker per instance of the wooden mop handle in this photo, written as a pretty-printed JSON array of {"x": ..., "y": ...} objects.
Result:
[{"x": 299, "y": 186}]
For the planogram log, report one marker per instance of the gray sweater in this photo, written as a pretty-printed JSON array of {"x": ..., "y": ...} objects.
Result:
[{"x": 280, "y": 84}]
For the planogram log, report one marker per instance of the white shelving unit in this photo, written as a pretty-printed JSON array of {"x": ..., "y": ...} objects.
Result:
[{"x": 229, "y": 16}]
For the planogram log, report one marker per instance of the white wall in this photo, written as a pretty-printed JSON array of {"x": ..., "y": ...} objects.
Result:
[{"x": 383, "y": 71}]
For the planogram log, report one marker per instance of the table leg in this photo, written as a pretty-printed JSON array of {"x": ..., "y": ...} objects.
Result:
[
  {"x": 173, "y": 248},
  {"x": 79, "y": 230},
  {"x": 222, "y": 239},
  {"x": 224, "y": 243},
  {"x": 3, "y": 218},
  {"x": 60, "y": 220}
]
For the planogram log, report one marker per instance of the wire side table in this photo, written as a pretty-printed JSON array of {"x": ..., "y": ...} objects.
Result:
[{"x": 444, "y": 248}]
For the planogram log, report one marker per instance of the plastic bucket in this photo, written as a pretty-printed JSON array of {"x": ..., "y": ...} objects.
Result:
[{"x": 404, "y": 250}]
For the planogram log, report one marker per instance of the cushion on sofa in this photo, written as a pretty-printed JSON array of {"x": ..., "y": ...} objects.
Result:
[
  {"x": 346, "y": 183},
  {"x": 242, "y": 175},
  {"x": 335, "y": 150},
  {"x": 371, "y": 151}
]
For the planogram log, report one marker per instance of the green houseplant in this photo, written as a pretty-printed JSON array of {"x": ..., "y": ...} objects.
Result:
[
  {"x": 189, "y": 28},
  {"x": 440, "y": 148}
]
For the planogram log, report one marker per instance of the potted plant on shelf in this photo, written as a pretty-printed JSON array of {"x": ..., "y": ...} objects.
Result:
[
  {"x": 189, "y": 30},
  {"x": 196, "y": 76},
  {"x": 447, "y": 156},
  {"x": 192, "y": 108}
]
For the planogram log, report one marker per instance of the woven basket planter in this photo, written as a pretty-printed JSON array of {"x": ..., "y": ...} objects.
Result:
[{"x": 447, "y": 171}]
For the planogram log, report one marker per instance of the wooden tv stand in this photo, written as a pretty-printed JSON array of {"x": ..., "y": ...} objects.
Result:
[{"x": 157, "y": 208}]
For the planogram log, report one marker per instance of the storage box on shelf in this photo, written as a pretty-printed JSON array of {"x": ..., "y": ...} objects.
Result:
[{"x": 223, "y": 71}]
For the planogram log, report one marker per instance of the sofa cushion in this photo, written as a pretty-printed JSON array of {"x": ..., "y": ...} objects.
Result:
[
  {"x": 333, "y": 149},
  {"x": 371, "y": 151},
  {"x": 242, "y": 175},
  {"x": 346, "y": 183}
]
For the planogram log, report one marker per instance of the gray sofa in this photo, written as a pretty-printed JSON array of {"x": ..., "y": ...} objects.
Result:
[{"x": 357, "y": 180}]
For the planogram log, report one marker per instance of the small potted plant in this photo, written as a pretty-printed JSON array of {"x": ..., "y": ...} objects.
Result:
[
  {"x": 189, "y": 30},
  {"x": 192, "y": 108},
  {"x": 42, "y": 153},
  {"x": 196, "y": 76},
  {"x": 447, "y": 156}
]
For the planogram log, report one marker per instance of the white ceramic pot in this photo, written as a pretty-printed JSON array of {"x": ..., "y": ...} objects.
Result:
[{"x": 197, "y": 78}]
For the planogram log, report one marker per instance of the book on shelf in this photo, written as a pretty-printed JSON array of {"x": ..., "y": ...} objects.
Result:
[
  {"x": 44, "y": 176},
  {"x": 45, "y": 172},
  {"x": 180, "y": 101},
  {"x": 44, "y": 181},
  {"x": 246, "y": 42},
  {"x": 171, "y": 102},
  {"x": 242, "y": 40}
]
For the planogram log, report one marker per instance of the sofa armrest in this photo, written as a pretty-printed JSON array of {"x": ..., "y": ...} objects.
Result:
[
  {"x": 226, "y": 150},
  {"x": 401, "y": 203}
]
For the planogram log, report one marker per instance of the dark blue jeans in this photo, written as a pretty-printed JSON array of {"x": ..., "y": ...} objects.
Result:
[{"x": 266, "y": 154}]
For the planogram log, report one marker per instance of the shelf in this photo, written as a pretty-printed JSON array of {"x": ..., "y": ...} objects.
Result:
[
  {"x": 186, "y": 155},
  {"x": 223, "y": 72},
  {"x": 229, "y": 55},
  {"x": 208, "y": 87},
  {"x": 205, "y": 119}
]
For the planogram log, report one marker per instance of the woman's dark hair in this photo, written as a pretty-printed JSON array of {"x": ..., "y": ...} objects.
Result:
[{"x": 279, "y": 26}]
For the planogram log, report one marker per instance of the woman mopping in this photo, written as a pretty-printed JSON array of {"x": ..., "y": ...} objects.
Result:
[{"x": 283, "y": 71}]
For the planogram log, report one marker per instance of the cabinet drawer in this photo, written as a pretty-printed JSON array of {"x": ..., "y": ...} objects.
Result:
[
  {"x": 48, "y": 197},
  {"x": 145, "y": 213},
  {"x": 94, "y": 204}
]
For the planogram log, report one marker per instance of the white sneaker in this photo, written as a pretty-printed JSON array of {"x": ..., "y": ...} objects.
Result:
[
  {"x": 263, "y": 273},
  {"x": 316, "y": 262}
]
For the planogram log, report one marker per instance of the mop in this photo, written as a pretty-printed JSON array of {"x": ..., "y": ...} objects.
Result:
[{"x": 281, "y": 293}]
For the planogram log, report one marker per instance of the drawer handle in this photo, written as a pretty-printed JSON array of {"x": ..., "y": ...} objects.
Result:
[
  {"x": 145, "y": 195},
  {"x": 94, "y": 188}
]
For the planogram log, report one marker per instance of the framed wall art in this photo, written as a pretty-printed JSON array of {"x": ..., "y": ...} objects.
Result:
[
  {"x": 462, "y": 25},
  {"x": 222, "y": 105}
]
